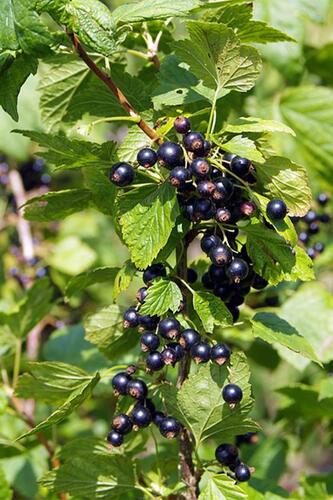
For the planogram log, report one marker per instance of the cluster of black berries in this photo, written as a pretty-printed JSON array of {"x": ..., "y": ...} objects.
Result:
[
  {"x": 309, "y": 226},
  {"x": 228, "y": 456},
  {"x": 34, "y": 174},
  {"x": 142, "y": 415}
]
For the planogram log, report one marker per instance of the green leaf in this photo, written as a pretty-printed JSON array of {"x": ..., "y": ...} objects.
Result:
[
  {"x": 103, "y": 192},
  {"x": 273, "y": 329},
  {"x": 215, "y": 55},
  {"x": 123, "y": 278},
  {"x": 12, "y": 78},
  {"x": 269, "y": 252},
  {"x": 257, "y": 126},
  {"x": 135, "y": 139},
  {"x": 210, "y": 415},
  {"x": 147, "y": 225},
  {"x": 72, "y": 256},
  {"x": 303, "y": 402},
  {"x": 211, "y": 310},
  {"x": 152, "y": 9},
  {"x": 163, "y": 295},
  {"x": 50, "y": 382},
  {"x": 75, "y": 400},
  {"x": 243, "y": 146},
  {"x": 280, "y": 178},
  {"x": 105, "y": 330},
  {"x": 56, "y": 205},
  {"x": 5, "y": 491},
  {"x": 326, "y": 388},
  {"x": 214, "y": 486},
  {"x": 82, "y": 281},
  {"x": 64, "y": 153},
  {"x": 303, "y": 268}
]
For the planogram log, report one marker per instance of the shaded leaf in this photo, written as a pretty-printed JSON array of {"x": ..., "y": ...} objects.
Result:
[
  {"x": 56, "y": 205},
  {"x": 84, "y": 280}
]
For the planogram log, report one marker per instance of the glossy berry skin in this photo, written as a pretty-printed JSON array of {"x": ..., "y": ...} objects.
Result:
[
  {"x": 220, "y": 353},
  {"x": 158, "y": 416},
  {"x": 224, "y": 292},
  {"x": 276, "y": 210},
  {"x": 178, "y": 348},
  {"x": 200, "y": 352},
  {"x": 169, "y": 328},
  {"x": 323, "y": 199},
  {"x": 237, "y": 270},
  {"x": 319, "y": 247},
  {"x": 209, "y": 241},
  {"x": 154, "y": 361},
  {"x": 247, "y": 208},
  {"x": 204, "y": 209},
  {"x": 188, "y": 209},
  {"x": 131, "y": 318},
  {"x": 227, "y": 158},
  {"x": 224, "y": 189},
  {"x": 242, "y": 473},
  {"x": 170, "y": 154},
  {"x": 169, "y": 356},
  {"x": 220, "y": 255},
  {"x": 324, "y": 218},
  {"x": 148, "y": 322},
  {"x": 147, "y": 157},
  {"x": 178, "y": 176},
  {"x": 122, "y": 174},
  {"x": 223, "y": 215},
  {"x": 152, "y": 272},
  {"x": 215, "y": 173},
  {"x": 142, "y": 294},
  {"x": 120, "y": 382},
  {"x": 122, "y": 423},
  {"x": 200, "y": 168},
  {"x": 137, "y": 389},
  {"x": 218, "y": 274},
  {"x": 149, "y": 342},
  {"x": 141, "y": 416},
  {"x": 313, "y": 228},
  {"x": 259, "y": 283},
  {"x": 232, "y": 394},
  {"x": 194, "y": 142},
  {"x": 188, "y": 338},
  {"x": 311, "y": 253},
  {"x": 240, "y": 166},
  {"x": 182, "y": 125},
  {"x": 207, "y": 281},
  {"x": 303, "y": 237},
  {"x": 310, "y": 217},
  {"x": 192, "y": 275},
  {"x": 115, "y": 438},
  {"x": 169, "y": 427},
  {"x": 205, "y": 188},
  {"x": 226, "y": 454}
]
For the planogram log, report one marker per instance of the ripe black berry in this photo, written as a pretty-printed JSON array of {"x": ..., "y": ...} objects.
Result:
[
  {"x": 248, "y": 438},
  {"x": 158, "y": 416},
  {"x": 120, "y": 382},
  {"x": 122, "y": 174},
  {"x": 227, "y": 158},
  {"x": 223, "y": 215},
  {"x": 200, "y": 352},
  {"x": 188, "y": 209},
  {"x": 247, "y": 208},
  {"x": 215, "y": 173},
  {"x": 154, "y": 361},
  {"x": 147, "y": 157},
  {"x": 178, "y": 348},
  {"x": 182, "y": 125},
  {"x": 200, "y": 168},
  {"x": 232, "y": 394},
  {"x": 169, "y": 427},
  {"x": 170, "y": 153},
  {"x": 122, "y": 423},
  {"x": 194, "y": 142},
  {"x": 204, "y": 209},
  {"x": 169, "y": 356},
  {"x": 237, "y": 270},
  {"x": 142, "y": 294},
  {"x": 220, "y": 353},
  {"x": 179, "y": 176},
  {"x": 236, "y": 300},
  {"x": 324, "y": 218},
  {"x": 207, "y": 281},
  {"x": 209, "y": 241},
  {"x": 188, "y": 338},
  {"x": 205, "y": 188},
  {"x": 220, "y": 255},
  {"x": 149, "y": 342},
  {"x": 137, "y": 389},
  {"x": 311, "y": 253},
  {"x": 131, "y": 318},
  {"x": 226, "y": 454},
  {"x": 152, "y": 272},
  {"x": 311, "y": 216},
  {"x": 259, "y": 283},
  {"x": 148, "y": 322},
  {"x": 313, "y": 228},
  {"x": 242, "y": 473},
  {"x": 192, "y": 275},
  {"x": 224, "y": 189},
  {"x": 276, "y": 209},
  {"x": 303, "y": 237},
  {"x": 169, "y": 328},
  {"x": 319, "y": 247},
  {"x": 141, "y": 416},
  {"x": 323, "y": 199},
  {"x": 115, "y": 438},
  {"x": 218, "y": 274},
  {"x": 224, "y": 292},
  {"x": 240, "y": 166}
]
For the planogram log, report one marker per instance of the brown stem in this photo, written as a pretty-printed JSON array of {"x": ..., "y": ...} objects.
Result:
[{"x": 149, "y": 131}]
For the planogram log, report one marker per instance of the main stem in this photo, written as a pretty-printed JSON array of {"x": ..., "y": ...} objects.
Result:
[{"x": 185, "y": 444}]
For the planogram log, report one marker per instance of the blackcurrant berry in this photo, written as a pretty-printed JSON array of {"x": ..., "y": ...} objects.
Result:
[
  {"x": 170, "y": 153},
  {"x": 248, "y": 438},
  {"x": 236, "y": 301},
  {"x": 259, "y": 283},
  {"x": 115, "y": 438},
  {"x": 154, "y": 361},
  {"x": 170, "y": 427},
  {"x": 207, "y": 281},
  {"x": 149, "y": 342},
  {"x": 178, "y": 348},
  {"x": 276, "y": 209},
  {"x": 237, "y": 270},
  {"x": 204, "y": 209},
  {"x": 200, "y": 352},
  {"x": 220, "y": 353},
  {"x": 122, "y": 423},
  {"x": 313, "y": 228},
  {"x": 131, "y": 318},
  {"x": 226, "y": 454},
  {"x": 240, "y": 166},
  {"x": 232, "y": 394},
  {"x": 242, "y": 473},
  {"x": 141, "y": 416},
  {"x": 142, "y": 294},
  {"x": 120, "y": 382},
  {"x": 310, "y": 217},
  {"x": 179, "y": 175},
  {"x": 182, "y": 125},
  {"x": 319, "y": 247},
  {"x": 148, "y": 323},
  {"x": 247, "y": 208},
  {"x": 169, "y": 328},
  {"x": 324, "y": 218},
  {"x": 227, "y": 158},
  {"x": 224, "y": 189},
  {"x": 218, "y": 275},
  {"x": 323, "y": 199},
  {"x": 220, "y": 255},
  {"x": 189, "y": 208},
  {"x": 224, "y": 292},
  {"x": 311, "y": 253},
  {"x": 169, "y": 356},
  {"x": 194, "y": 142},
  {"x": 152, "y": 272},
  {"x": 209, "y": 241},
  {"x": 205, "y": 188},
  {"x": 192, "y": 275},
  {"x": 188, "y": 338},
  {"x": 215, "y": 173},
  {"x": 223, "y": 215},
  {"x": 137, "y": 389},
  {"x": 303, "y": 237},
  {"x": 147, "y": 157},
  {"x": 158, "y": 417},
  {"x": 200, "y": 168},
  {"x": 122, "y": 174}
]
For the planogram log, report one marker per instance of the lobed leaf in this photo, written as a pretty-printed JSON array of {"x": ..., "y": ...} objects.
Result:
[
  {"x": 211, "y": 310},
  {"x": 56, "y": 205},
  {"x": 82, "y": 281},
  {"x": 163, "y": 295}
]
